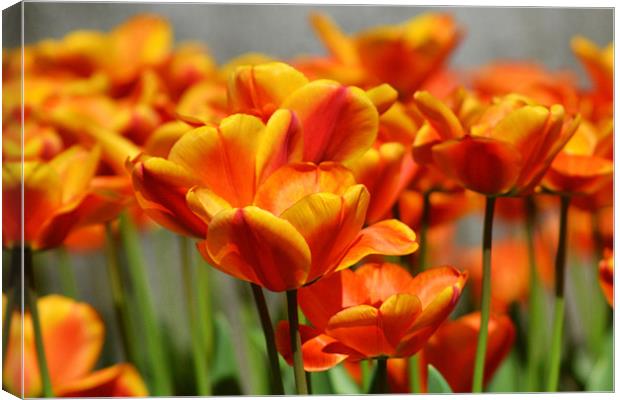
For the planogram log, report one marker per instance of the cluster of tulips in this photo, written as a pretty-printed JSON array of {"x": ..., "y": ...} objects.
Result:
[{"x": 306, "y": 177}]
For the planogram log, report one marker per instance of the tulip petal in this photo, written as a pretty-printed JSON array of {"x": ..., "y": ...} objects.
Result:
[
  {"x": 438, "y": 115},
  {"x": 398, "y": 313},
  {"x": 160, "y": 189},
  {"x": 254, "y": 245},
  {"x": 205, "y": 204},
  {"x": 260, "y": 89},
  {"x": 120, "y": 380},
  {"x": 359, "y": 327},
  {"x": 486, "y": 166},
  {"x": 338, "y": 44},
  {"x": 223, "y": 158},
  {"x": 75, "y": 181},
  {"x": 72, "y": 335},
  {"x": 339, "y": 123},
  {"x": 383, "y": 280},
  {"x": 291, "y": 183},
  {"x": 282, "y": 143},
  {"x": 313, "y": 346},
  {"x": 328, "y": 223},
  {"x": 578, "y": 174},
  {"x": 390, "y": 237},
  {"x": 324, "y": 298},
  {"x": 428, "y": 284},
  {"x": 383, "y": 97}
]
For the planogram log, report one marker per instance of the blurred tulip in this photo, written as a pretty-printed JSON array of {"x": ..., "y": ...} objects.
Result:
[
  {"x": 606, "y": 276},
  {"x": 73, "y": 335},
  {"x": 514, "y": 142},
  {"x": 306, "y": 222},
  {"x": 528, "y": 79},
  {"x": 376, "y": 310},
  {"x": 403, "y": 56},
  {"x": 599, "y": 63},
  {"x": 59, "y": 197},
  {"x": 578, "y": 167}
]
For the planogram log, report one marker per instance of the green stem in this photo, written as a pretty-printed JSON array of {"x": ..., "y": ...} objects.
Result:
[
  {"x": 365, "y": 368},
  {"x": 272, "y": 353},
  {"x": 414, "y": 374},
  {"x": 31, "y": 299},
  {"x": 13, "y": 296},
  {"x": 67, "y": 277},
  {"x": 298, "y": 362},
  {"x": 379, "y": 383},
  {"x": 558, "y": 321},
  {"x": 203, "y": 291},
  {"x": 485, "y": 308},
  {"x": 201, "y": 367},
  {"x": 535, "y": 305},
  {"x": 424, "y": 223},
  {"x": 129, "y": 339},
  {"x": 162, "y": 384}
]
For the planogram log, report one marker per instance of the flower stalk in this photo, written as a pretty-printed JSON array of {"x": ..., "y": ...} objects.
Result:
[
  {"x": 558, "y": 308},
  {"x": 298, "y": 362},
  {"x": 485, "y": 309}
]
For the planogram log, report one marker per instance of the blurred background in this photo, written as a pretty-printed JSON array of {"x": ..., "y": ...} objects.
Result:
[{"x": 281, "y": 31}]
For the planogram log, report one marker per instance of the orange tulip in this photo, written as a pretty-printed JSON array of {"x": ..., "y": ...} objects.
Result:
[
  {"x": 529, "y": 79},
  {"x": 58, "y": 197},
  {"x": 73, "y": 335},
  {"x": 599, "y": 64},
  {"x": 402, "y": 55},
  {"x": 376, "y": 310},
  {"x": 581, "y": 167},
  {"x": 606, "y": 276},
  {"x": 452, "y": 348},
  {"x": 305, "y": 222},
  {"x": 513, "y": 141}
]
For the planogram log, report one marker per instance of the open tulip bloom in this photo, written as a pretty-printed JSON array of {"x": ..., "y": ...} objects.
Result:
[{"x": 331, "y": 191}]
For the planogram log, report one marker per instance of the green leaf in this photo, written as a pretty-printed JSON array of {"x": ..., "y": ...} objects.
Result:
[
  {"x": 321, "y": 383},
  {"x": 506, "y": 378},
  {"x": 342, "y": 382},
  {"x": 224, "y": 371},
  {"x": 436, "y": 382},
  {"x": 602, "y": 377}
]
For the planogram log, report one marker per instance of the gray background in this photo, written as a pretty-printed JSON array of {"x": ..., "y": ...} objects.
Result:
[{"x": 541, "y": 34}]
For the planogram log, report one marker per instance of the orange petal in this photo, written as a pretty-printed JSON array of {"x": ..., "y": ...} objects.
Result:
[
  {"x": 339, "y": 122},
  {"x": 398, "y": 313},
  {"x": 359, "y": 328},
  {"x": 383, "y": 97},
  {"x": 313, "y": 346},
  {"x": 493, "y": 170},
  {"x": 338, "y": 44},
  {"x": 452, "y": 349},
  {"x": 329, "y": 223},
  {"x": 324, "y": 298},
  {"x": 578, "y": 174},
  {"x": 72, "y": 335},
  {"x": 42, "y": 196},
  {"x": 291, "y": 183},
  {"x": 281, "y": 144},
  {"x": 160, "y": 188},
  {"x": 390, "y": 237},
  {"x": 256, "y": 246},
  {"x": 164, "y": 137},
  {"x": 260, "y": 89},
  {"x": 383, "y": 280},
  {"x": 75, "y": 181},
  {"x": 205, "y": 204},
  {"x": 223, "y": 158},
  {"x": 120, "y": 380},
  {"x": 438, "y": 115}
]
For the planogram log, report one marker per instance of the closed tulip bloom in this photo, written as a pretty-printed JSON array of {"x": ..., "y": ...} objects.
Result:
[
  {"x": 506, "y": 148},
  {"x": 377, "y": 310},
  {"x": 606, "y": 276},
  {"x": 73, "y": 336},
  {"x": 60, "y": 195},
  {"x": 306, "y": 222}
]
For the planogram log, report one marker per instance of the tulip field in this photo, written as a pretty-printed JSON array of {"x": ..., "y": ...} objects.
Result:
[{"x": 369, "y": 219}]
